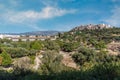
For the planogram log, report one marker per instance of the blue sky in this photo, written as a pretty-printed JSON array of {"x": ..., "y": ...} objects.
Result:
[{"x": 62, "y": 15}]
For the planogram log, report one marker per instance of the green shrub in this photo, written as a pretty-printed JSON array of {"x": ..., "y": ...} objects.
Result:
[
  {"x": 51, "y": 45},
  {"x": 68, "y": 47},
  {"x": 106, "y": 71},
  {"x": 51, "y": 62},
  {"x": 37, "y": 45},
  {"x": 6, "y": 59},
  {"x": 84, "y": 55},
  {"x": 32, "y": 58},
  {"x": 1, "y": 50},
  {"x": 16, "y": 52}
]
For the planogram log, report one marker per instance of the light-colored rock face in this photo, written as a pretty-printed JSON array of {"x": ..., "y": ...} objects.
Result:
[
  {"x": 114, "y": 48},
  {"x": 22, "y": 63},
  {"x": 37, "y": 62}
]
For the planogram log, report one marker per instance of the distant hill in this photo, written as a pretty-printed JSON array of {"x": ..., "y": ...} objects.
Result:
[{"x": 44, "y": 33}]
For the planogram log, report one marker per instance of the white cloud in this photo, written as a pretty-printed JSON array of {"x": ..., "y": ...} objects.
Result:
[
  {"x": 10, "y": 4},
  {"x": 115, "y": 0},
  {"x": 29, "y": 18},
  {"x": 14, "y": 2},
  {"x": 31, "y": 15},
  {"x": 114, "y": 19},
  {"x": 49, "y": 2},
  {"x": 33, "y": 26}
]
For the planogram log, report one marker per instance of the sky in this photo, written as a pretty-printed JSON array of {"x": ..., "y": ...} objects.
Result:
[{"x": 18, "y": 16}]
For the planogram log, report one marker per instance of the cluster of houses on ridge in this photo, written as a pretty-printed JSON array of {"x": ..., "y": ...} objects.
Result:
[
  {"x": 92, "y": 27},
  {"x": 26, "y": 37}
]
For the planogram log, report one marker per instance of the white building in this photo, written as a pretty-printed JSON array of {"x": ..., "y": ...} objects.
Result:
[
  {"x": 1, "y": 36},
  {"x": 26, "y": 38}
]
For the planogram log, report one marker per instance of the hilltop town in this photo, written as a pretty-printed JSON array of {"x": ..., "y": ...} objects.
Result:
[{"x": 92, "y": 27}]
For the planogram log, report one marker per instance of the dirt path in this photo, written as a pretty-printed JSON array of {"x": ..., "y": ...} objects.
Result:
[
  {"x": 37, "y": 62},
  {"x": 68, "y": 61}
]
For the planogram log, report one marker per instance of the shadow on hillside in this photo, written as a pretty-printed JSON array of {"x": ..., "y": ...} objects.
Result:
[{"x": 106, "y": 72}]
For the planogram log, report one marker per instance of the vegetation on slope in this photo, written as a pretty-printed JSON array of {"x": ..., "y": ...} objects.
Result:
[{"x": 88, "y": 49}]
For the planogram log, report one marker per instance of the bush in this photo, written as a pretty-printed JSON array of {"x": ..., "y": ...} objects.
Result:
[
  {"x": 16, "y": 52},
  {"x": 6, "y": 59},
  {"x": 51, "y": 45},
  {"x": 22, "y": 66},
  {"x": 79, "y": 58},
  {"x": 84, "y": 55},
  {"x": 106, "y": 71},
  {"x": 100, "y": 45},
  {"x": 51, "y": 62},
  {"x": 68, "y": 47},
  {"x": 104, "y": 57},
  {"x": 1, "y": 50},
  {"x": 36, "y": 45}
]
